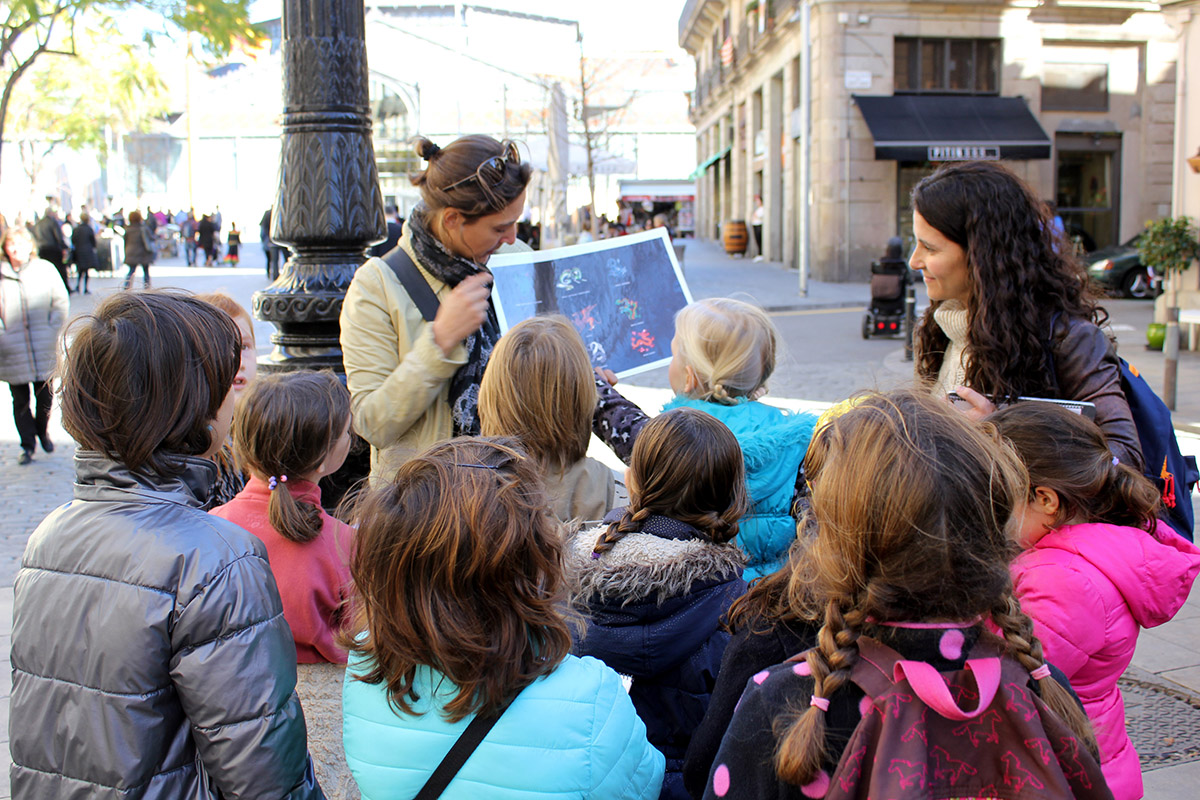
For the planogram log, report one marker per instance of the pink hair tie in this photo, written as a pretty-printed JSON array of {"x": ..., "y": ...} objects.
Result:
[
  {"x": 1041, "y": 673},
  {"x": 272, "y": 482},
  {"x": 820, "y": 702}
]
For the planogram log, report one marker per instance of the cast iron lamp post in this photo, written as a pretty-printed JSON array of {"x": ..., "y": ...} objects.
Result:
[{"x": 328, "y": 209}]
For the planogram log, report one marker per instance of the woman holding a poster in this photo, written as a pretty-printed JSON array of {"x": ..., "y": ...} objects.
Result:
[{"x": 414, "y": 358}]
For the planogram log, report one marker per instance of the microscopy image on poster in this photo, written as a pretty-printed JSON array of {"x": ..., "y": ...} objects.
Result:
[{"x": 621, "y": 294}]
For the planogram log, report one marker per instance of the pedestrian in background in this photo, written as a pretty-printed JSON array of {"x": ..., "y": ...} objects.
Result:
[
  {"x": 51, "y": 244},
  {"x": 139, "y": 249},
  {"x": 395, "y": 227},
  {"x": 33, "y": 307},
  {"x": 188, "y": 229},
  {"x": 271, "y": 251},
  {"x": 206, "y": 238},
  {"x": 83, "y": 242},
  {"x": 150, "y": 655},
  {"x": 235, "y": 243}
]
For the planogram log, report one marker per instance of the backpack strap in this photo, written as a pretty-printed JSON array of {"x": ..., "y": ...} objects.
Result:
[
  {"x": 931, "y": 687},
  {"x": 419, "y": 290},
  {"x": 462, "y": 749},
  {"x": 879, "y": 668}
]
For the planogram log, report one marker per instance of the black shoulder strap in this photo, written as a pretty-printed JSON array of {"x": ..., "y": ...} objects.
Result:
[
  {"x": 462, "y": 749},
  {"x": 414, "y": 282}
]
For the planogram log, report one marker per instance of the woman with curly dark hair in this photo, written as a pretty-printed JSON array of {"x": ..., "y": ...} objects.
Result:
[{"x": 1010, "y": 311}]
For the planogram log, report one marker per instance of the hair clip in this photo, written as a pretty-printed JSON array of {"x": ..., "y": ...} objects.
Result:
[
  {"x": 820, "y": 702},
  {"x": 272, "y": 482},
  {"x": 1041, "y": 673},
  {"x": 477, "y": 466},
  {"x": 1116, "y": 461}
]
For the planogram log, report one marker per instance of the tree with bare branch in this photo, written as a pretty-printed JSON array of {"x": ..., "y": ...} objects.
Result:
[{"x": 596, "y": 118}]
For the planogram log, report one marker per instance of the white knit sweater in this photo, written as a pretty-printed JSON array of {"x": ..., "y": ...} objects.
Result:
[{"x": 951, "y": 317}]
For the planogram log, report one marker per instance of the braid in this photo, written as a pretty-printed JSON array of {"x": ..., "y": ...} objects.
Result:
[
  {"x": 801, "y": 748},
  {"x": 1017, "y": 629},
  {"x": 630, "y": 522},
  {"x": 716, "y": 526}
]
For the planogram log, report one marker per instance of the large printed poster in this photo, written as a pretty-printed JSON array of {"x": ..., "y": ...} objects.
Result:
[{"x": 621, "y": 294}]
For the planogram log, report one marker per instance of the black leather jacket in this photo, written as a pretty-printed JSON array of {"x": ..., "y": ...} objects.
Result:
[
  {"x": 1086, "y": 368},
  {"x": 149, "y": 651}
]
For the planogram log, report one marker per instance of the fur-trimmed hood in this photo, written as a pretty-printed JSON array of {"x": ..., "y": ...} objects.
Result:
[
  {"x": 654, "y": 605},
  {"x": 643, "y": 566}
]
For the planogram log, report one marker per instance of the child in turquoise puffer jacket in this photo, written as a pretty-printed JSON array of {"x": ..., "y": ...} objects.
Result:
[
  {"x": 722, "y": 355},
  {"x": 458, "y": 570}
]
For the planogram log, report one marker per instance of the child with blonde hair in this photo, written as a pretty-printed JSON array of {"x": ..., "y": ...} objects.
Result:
[
  {"x": 1097, "y": 566},
  {"x": 656, "y": 580},
  {"x": 907, "y": 575},
  {"x": 292, "y": 429},
  {"x": 538, "y": 388},
  {"x": 722, "y": 355}
]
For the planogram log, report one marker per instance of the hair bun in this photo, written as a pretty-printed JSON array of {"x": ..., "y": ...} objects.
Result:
[{"x": 427, "y": 149}]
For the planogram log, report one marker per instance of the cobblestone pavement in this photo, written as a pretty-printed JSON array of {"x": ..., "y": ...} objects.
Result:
[{"x": 1162, "y": 687}]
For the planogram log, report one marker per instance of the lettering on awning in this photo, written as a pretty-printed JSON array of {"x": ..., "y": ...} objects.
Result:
[{"x": 960, "y": 152}]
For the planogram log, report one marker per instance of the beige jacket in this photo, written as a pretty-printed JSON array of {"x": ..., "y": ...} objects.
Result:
[
  {"x": 583, "y": 492},
  {"x": 398, "y": 378}
]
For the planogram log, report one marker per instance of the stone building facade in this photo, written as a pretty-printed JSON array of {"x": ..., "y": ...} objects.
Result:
[{"x": 1078, "y": 98}]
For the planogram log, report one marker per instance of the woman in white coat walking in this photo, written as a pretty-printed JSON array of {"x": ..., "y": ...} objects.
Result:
[{"x": 33, "y": 307}]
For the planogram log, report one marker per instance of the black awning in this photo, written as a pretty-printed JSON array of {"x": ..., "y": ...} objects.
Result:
[{"x": 952, "y": 128}]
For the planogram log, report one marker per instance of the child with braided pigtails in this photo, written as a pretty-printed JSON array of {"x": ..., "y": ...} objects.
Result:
[
  {"x": 721, "y": 357},
  {"x": 290, "y": 430},
  {"x": 656, "y": 579},
  {"x": 1097, "y": 565},
  {"x": 908, "y": 574}
]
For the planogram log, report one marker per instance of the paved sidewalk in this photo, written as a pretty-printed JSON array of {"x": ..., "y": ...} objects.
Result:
[
  {"x": 711, "y": 273},
  {"x": 1163, "y": 687}
]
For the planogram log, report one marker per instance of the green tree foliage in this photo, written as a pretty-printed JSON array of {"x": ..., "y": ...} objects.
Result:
[
  {"x": 69, "y": 102},
  {"x": 36, "y": 28},
  {"x": 1169, "y": 244}
]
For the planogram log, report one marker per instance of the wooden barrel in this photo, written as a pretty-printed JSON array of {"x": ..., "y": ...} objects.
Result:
[{"x": 736, "y": 237}]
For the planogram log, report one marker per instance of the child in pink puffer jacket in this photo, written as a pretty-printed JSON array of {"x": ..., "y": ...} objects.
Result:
[{"x": 1096, "y": 566}]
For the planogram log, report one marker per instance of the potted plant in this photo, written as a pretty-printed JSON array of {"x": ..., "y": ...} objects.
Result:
[{"x": 1169, "y": 246}]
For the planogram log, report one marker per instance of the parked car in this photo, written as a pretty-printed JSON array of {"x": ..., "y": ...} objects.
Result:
[{"x": 1118, "y": 270}]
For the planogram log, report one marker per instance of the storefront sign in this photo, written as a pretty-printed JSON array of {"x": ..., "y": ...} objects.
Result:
[
  {"x": 958, "y": 152},
  {"x": 858, "y": 79}
]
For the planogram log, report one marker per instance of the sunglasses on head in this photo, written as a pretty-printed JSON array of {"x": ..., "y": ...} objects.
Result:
[{"x": 491, "y": 172}]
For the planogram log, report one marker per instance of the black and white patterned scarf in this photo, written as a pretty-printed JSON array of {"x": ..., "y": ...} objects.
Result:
[{"x": 451, "y": 270}]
